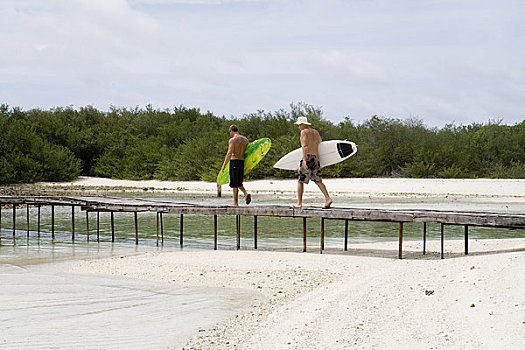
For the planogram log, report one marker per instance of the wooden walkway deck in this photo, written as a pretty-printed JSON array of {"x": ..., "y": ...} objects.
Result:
[{"x": 401, "y": 216}]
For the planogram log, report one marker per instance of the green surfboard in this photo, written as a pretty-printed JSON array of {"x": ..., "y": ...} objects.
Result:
[{"x": 255, "y": 151}]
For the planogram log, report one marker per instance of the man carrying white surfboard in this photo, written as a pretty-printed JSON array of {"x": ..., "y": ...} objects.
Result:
[
  {"x": 309, "y": 166},
  {"x": 235, "y": 155}
]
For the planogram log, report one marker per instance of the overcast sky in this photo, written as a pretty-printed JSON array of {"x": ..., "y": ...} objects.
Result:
[{"x": 441, "y": 61}]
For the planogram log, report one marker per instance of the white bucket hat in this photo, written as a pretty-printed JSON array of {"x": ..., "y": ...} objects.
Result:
[{"x": 302, "y": 120}]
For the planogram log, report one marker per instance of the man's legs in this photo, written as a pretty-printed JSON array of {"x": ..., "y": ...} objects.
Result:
[
  {"x": 328, "y": 200},
  {"x": 236, "y": 195},
  {"x": 300, "y": 190}
]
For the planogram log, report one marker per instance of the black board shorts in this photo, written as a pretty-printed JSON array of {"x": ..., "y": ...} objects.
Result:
[
  {"x": 313, "y": 172},
  {"x": 236, "y": 172}
]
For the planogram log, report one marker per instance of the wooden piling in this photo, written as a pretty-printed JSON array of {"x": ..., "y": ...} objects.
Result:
[
  {"x": 400, "y": 252},
  {"x": 112, "y": 228},
  {"x": 73, "y": 223},
  {"x": 304, "y": 234},
  {"x": 87, "y": 225},
  {"x": 322, "y": 235},
  {"x": 136, "y": 228},
  {"x": 255, "y": 232},
  {"x": 98, "y": 226},
  {"x": 346, "y": 235},
  {"x": 27, "y": 217},
  {"x": 238, "y": 231},
  {"x": 424, "y": 238},
  {"x": 442, "y": 241},
  {"x": 14, "y": 221},
  {"x": 158, "y": 214},
  {"x": 161, "y": 229},
  {"x": 181, "y": 230},
  {"x": 38, "y": 222},
  {"x": 466, "y": 239},
  {"x": 215, "y": 232},
  {"x": 52, "y": 221}
]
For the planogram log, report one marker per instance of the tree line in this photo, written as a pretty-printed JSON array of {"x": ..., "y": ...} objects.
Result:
[{"x": 185, "y": 144}]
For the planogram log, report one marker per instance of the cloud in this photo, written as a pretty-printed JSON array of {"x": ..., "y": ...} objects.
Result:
[{"x": 442, "y": 60}]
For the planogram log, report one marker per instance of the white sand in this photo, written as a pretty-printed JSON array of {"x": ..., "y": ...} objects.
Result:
[
  {"x": 363, "y": 299},
  {"x": 499, "y": 195},
  {"x": 511, "y": 188}
]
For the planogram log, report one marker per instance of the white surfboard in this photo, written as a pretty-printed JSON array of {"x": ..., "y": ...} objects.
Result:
[{"x": 330, "y": 152}]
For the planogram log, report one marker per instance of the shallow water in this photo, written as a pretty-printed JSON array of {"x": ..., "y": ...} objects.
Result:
[
  {"x": 45, "y": 308},
  {"x": 32, "y": 244}
]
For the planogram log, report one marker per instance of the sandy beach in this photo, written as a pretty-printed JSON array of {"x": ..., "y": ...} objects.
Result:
[{"x": 364, "y": 298}]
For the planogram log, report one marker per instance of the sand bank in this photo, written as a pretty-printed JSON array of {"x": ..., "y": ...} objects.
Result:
[
  {"x": 501, "y": 195},
  {"x": 362, "y": 299},
  {"x": 348, "y": 186}
]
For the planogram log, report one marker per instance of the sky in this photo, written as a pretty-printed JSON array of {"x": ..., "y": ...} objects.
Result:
[{"x": 440, "y": 61}]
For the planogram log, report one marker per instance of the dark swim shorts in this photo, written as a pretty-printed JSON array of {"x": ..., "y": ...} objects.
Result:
[
  {"x": 236, "y": 172},
  {"x": 313, "y": 172}
]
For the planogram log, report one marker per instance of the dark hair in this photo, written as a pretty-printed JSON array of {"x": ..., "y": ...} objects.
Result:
[{"x": 234, "y": 128}]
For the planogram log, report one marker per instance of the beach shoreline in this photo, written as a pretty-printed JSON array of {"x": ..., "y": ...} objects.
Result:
[
  {"x": 494, "y": 195},
  {"x": 363, "y": 298}
]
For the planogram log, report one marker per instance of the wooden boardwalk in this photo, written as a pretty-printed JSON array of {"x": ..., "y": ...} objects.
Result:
[{"x": 401, "y": 216}]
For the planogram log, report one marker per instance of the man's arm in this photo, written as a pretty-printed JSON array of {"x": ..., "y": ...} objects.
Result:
[{"x": 228, "y": 154}]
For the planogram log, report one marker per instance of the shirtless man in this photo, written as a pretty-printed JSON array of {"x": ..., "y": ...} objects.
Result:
[
  {"x": 235, "y": 155},
  {"x": 309, "y": 166}
]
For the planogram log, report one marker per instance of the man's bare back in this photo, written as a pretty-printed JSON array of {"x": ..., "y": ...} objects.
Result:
[
  {"x": 310, "y": 140},
  {"x": 237, "y": 146}
]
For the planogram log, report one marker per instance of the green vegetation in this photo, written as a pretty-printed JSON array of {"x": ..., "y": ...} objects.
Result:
[{"x": 184, "y": 144}]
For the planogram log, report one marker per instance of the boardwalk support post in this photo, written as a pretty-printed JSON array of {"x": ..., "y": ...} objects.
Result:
[
  {"x": 27, "y": 217},
  {"x": 87, "y": 224},
  {"x": 53, "y": 221},
  {"x": 112, "y": 228},
  {"x": 181, "y": 230},
  {"x": 73, "y": 223},
  {"x": 255, "y": 232},
  {"x": 466, "y": 239},
  {"x": 322, "y": 235},
  {"x": 424, "y": 238},
  {"x": 400, "y": 253},
  {"x": 238, "y": 230},
  {"x": 98, "y": 226},
  {"x": 38, "y": 222},
  {"x": 158, "y": 214},
  {"x": 215, "y": 232},
  {"x": 162, "y": 228},
  {"x": 14, "y": 220},
  {"x": 136, "y": 228},
  {"x": 442, "y": 241},
  {"x": 346, "y": 235},
  {"x": 304, "y": 234}
]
